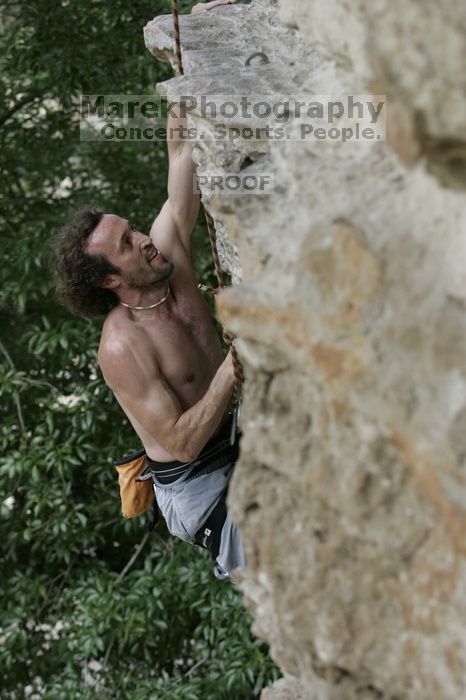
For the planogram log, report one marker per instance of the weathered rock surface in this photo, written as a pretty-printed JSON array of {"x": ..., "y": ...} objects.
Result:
[{"x": 351, "y": 314}]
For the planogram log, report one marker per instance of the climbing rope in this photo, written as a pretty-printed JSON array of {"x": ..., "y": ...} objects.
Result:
[
  {"x": 227, "y": 337},
  {"x": 213, "y": 244},
  {"x": 176, "y": 24}
]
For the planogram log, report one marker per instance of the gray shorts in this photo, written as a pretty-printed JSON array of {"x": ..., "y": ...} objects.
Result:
[{"x": 187, "y": 503}]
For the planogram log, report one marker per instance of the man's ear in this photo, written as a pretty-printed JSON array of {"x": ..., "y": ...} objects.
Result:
[{"x": 110, "y": 282}]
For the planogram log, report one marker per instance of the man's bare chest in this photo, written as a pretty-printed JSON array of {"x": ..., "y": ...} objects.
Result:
[{"x": 185, "y": 344}]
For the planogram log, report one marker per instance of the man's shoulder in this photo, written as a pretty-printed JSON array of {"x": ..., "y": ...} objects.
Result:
[
  {"x": 115, "y": 320},
  {"x": 118, "y": 339}
]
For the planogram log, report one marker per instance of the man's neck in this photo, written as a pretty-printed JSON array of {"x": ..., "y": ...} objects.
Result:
[{"x": 145, "y": 302}]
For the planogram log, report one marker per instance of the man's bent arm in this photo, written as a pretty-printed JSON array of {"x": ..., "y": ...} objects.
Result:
[
  {"x": 197, "y": 425},
  {"x": 149, "y": 398}
]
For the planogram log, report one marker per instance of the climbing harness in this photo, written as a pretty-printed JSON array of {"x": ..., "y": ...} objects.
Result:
[
  {"x": 139, "y": 477},
  {"x": 227, "y": 337}
]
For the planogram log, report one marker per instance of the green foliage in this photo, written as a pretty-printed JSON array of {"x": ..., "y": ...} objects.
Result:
[{"x": 71, "y": 625}]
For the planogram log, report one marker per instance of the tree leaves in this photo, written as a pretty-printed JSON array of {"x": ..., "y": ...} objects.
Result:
[{"x": 68, "y": 628}]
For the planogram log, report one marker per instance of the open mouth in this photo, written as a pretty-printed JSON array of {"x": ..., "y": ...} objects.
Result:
[{"x": 152, "y": 255}]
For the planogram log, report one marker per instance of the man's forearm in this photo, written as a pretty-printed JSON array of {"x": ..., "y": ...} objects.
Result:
[
  {"x": 182, "y": 193},
  {"x": 177, "y": 129},
  {"x": 196, "y": 425}
]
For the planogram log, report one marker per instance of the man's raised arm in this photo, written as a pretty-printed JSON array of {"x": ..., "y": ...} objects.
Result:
[
  {"x": 179, "y": 213},
  {"x": 183, "y": 196}
]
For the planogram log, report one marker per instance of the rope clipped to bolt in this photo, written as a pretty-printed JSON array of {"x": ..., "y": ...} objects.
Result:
[{"x": 227, "y": 337}]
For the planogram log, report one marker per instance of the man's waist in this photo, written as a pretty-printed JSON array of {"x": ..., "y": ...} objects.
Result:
[{"x": 167, "y": 472}]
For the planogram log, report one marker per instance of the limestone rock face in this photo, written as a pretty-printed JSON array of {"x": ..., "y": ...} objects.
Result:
[{"x": 350, "y": 307}]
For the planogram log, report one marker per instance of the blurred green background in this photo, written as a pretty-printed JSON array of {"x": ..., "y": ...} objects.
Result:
[{"x": 73, "y": 623}]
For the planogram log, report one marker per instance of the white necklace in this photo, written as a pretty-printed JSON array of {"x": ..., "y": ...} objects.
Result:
[{"x": 145, "y": 308}]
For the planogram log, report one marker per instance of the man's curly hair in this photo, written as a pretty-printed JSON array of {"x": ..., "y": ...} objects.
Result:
[{"x": 78, "y": 275}]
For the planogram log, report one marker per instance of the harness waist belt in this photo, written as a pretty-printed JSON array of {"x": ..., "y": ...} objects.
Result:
[{"x": 168, "y": 472}]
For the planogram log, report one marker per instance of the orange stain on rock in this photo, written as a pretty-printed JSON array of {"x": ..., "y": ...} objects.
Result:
[
  {"x": 434, "y": 572},
  {"x": 426, "y": 474},
  {"x": 347, "y": 275},
  {"x": 260, "y": 322}
]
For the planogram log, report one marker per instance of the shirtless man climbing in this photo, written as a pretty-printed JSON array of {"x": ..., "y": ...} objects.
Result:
[{"x": 159, "y": 350}]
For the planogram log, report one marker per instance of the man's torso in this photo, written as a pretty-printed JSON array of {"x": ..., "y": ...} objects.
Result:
[{"x": 181, "y": 337}]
